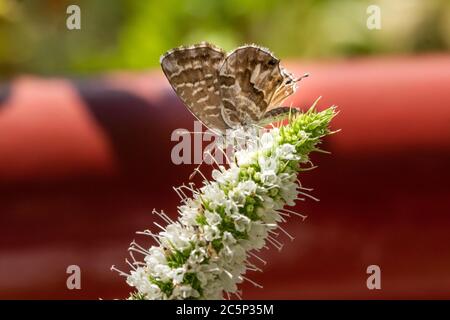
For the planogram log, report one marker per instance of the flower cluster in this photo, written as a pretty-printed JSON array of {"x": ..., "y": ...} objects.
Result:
[{"x": 206, "y": 252}]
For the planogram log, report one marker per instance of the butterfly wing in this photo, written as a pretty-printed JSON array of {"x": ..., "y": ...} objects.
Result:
[
  {"x": 193, "y": 74},
  {"x": 249, "y": 78}
]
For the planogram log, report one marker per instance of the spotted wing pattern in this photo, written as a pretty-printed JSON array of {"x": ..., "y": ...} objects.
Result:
[
  {"x": 193, "y": 73},
  {"x": 242, "y": 88},
  {"x": 248, "y": 77}
]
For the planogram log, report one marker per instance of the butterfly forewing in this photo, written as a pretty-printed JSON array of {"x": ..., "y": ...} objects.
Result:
[{"x": 193, "y": 74}]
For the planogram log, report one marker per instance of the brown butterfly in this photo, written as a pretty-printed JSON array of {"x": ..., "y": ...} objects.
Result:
[{"x": 244, "y": 87}]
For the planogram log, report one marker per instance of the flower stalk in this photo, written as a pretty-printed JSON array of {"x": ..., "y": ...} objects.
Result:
[{"x": 207, "y": 252}]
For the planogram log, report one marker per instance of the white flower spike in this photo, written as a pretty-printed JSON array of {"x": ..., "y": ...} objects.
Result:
[{"x": 205, "y": 254}]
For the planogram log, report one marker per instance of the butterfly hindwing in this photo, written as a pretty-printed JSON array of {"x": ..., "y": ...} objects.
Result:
[
  {"x": 193, "y": 74},
  {"x": 249, "y": 78}
]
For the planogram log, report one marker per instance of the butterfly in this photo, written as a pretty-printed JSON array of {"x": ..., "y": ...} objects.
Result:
[{"x": 224, "y": 91}]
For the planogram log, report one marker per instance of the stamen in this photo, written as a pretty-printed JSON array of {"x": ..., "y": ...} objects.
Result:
[
  {"x": 130, "y": 264},
  {"x": 257, "y": 257},
  {"x": 286, "y": 233},
  {"x": 162, "y": 216},
  {"x": 137, "y": 245},
  {"x": 276, "y": 234},
  {"x": 278, "y": 245},
  {"x": 251, "y": 265},
  {"x": 191, "y": 188},
  {"x": 308, "y": 169},
  {"x": 159, "y": 226},
  {"x": 183, "y": 199},
  {"x": 252, "y": 282},
  {"x": 295, "y": 213},
  {"x": 151, "y": 234},
  {"x": 309, "y": 196},
  {"x": 191, "y": 176},
  {"x": 184, "y": 194},
  {"x": 283, "y": 214},
  {"x": 137, "y": 250},
  {"x": 306, "y": 189},
  {"x": 203, "y": 176},
  {"x": 121, "y": 273},
  {"x": 132, "y": 256}
]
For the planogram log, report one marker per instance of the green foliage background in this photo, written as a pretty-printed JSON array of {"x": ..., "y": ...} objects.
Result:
[{"x": 132, "y": 34}]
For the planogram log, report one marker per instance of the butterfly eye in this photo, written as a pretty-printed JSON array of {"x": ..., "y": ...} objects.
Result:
[{"x": 272, "y": 62}]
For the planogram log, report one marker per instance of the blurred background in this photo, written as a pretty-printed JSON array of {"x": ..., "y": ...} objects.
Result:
[
  {"x": 120, "y": 34},
  {"x": 86, "y": 118}
]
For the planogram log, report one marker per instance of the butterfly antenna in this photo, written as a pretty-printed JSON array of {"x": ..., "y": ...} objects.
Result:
[{"x": 306, "y": 75}]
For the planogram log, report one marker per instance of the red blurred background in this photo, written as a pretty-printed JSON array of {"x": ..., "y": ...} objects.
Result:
[{"x": 84, "y": 161}]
